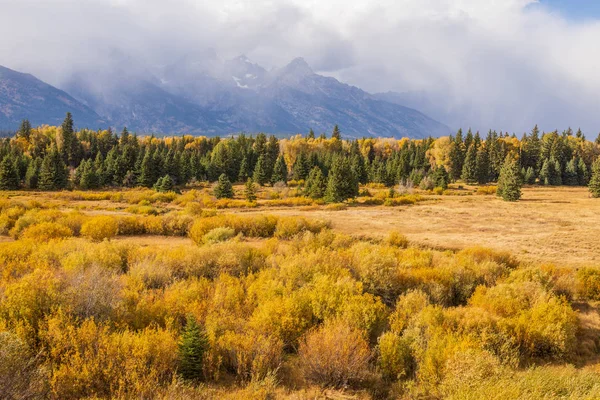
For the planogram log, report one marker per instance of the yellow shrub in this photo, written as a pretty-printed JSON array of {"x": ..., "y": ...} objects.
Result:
[
  {"x": 397, "y": 239},
  {"x": 100, "y": 228},
  {"x": 487, "y": 190},
  {"x": 395, "y": 357},
  {"x": 47, "y": 231}
]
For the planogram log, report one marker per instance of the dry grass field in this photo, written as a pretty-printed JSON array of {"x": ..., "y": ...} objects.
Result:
[
  {"x": 557, "y": 225},
  {"x": 550, "y": 225}
]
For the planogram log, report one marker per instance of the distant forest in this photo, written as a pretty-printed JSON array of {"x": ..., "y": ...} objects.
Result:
[{"x": 55, "y": 158}]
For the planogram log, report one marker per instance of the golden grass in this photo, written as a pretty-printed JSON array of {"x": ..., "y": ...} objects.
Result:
[{"x": 549, "y": 225}]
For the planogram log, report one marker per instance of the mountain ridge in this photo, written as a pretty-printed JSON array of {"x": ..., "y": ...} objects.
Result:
[{"x": 204, "y": 94}]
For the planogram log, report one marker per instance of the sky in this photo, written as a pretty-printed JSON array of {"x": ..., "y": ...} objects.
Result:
[{"x": 501, "y": 64}]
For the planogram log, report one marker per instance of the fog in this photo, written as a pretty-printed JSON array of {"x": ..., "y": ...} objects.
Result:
[{"x": 502, "y": 64}]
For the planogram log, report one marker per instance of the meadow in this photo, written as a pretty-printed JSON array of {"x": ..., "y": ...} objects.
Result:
[{"x": 415, "y": 294}]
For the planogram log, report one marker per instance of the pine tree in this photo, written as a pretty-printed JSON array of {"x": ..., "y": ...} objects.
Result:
[
  {"x": 482, "y": 165},
  {"x": 250, "y": 190},
  {"x": 223, "y": 189},
  {"x": 68, "y": 138},
  {"x": 583, "y": 175},
  {"x": 280, "y": 172},
  {"x": 164, "y": 184},
  {"x": 441, "y": 177},
  {"x": 301, "y": 167},
  {"x": 336, "y": 133},
  {"x": 509, "y": 183},
  {"x": 570, "y": 176},
  {"x": 341, "y": 184},
  {"x": 53, "y": 172},
  {"x": 148, "y": 170},
  {"x": 530, "y": 176},
  {"x": 192, "y": 347},
  {"x": 315, "y": 184},
  {"x": 594, "y": 184},
  {"x": 244, "y": 170},
  {"x": 469, "y": 171},
  {"x": 260, "y": 175},
  {"x": 311, "y": 134},
  {"x": 32, "y": 174},
  {"x": 89, "y": 178},
  {"x": 24, "y": 130},
  {"x": 9, "y": 178}
]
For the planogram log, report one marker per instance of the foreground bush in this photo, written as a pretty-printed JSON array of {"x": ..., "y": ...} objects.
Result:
[
  {"x": 335, "y": 355},
  {"x": 100, "y": 228}
]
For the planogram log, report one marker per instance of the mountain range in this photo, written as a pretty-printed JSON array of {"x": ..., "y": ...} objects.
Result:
[{"x": 204, "y": 94}]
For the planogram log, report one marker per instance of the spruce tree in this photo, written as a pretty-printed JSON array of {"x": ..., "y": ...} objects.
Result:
[
  {"x": 32, "y": 174},
  {"x": 53, "y": 172},
  {"x": 301, "y": 167},
  {"x": 315, "y": 184},
  {"x": 311, "y": 134},
  {"x": 68, "y": 136},
  {"x": 260, "y": 175},
  {"x": 594, "y": 184},
  {"x": 250, "y": 190},
  {"x": 469, "y": 171},
  {"x": 164, "y": 184},
  {"x": 336, "y": 133},
  {"x": 482, "y": 165},
  {"x": 9, "y": 178},
  {"x": 223, "y": 189},
  {"x": 583, "y": 175},
  {"x": 441, "y": 177},
  {"x": 570, "y": 176},
  {"x": 509, "y": 183},
  {"x": 280, "y": 172},
  {"x": 244, "y": 170},
  {"x": 341, "y": 184},
  {"x": 192, "y": 348},
  {"x": 530, "y": 176},
  {"x": 148, "y": 170},
  {"x": 89, "y": 178},
  {"x": 24, "y": 130}
]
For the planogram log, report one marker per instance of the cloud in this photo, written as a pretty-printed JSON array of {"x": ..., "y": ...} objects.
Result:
[{"x": 483, "y": 63}]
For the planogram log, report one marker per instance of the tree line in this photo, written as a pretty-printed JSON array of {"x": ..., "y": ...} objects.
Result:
[{"x": 55, "y": 158}]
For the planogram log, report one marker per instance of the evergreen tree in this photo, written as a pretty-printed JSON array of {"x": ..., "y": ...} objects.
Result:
[
  {"x": 280, "y": 172},
  {"x": 311, "y": 134},
  {"x": 482, "y": 166},
  {"x": 301, "y": 167},
  {"x": 68, "y": 139},
  {"x": 244, "y": 170},
  {"x": 223, "y": 189},
  {"x": 24, "y": 130},
  {"x": 594, "y": 184},
  {"x": 456, "y": 157},
  {"x": 341, "y": 184},
  {"x": 469, "y": 171},
  {"x": 529, "y": 176},
  {"x": 570, "y": 176},
  {"x": 260, "y": 175},
  {"x": 53, "y": 172},
  {"x": 250, "y": 190},
  {"x": 583, "y": 175},
  {"x": 130, "y": 179},
  {"x": 89, "y": 178},
  {"x": 148, "y": 170},
  {"x": 358, "y": 168},
  {"x": 441, "y": 177},
  {"x": 509, "y": 183},
  {"x": 336, "y": 133},
  {"x": 164, "y": 184},
  {"x": 32, "y": 174},
  {"x": 9, "y": 178},
  {"x": 192, "y": 348},
  {"x": 315, "y": 184}
]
